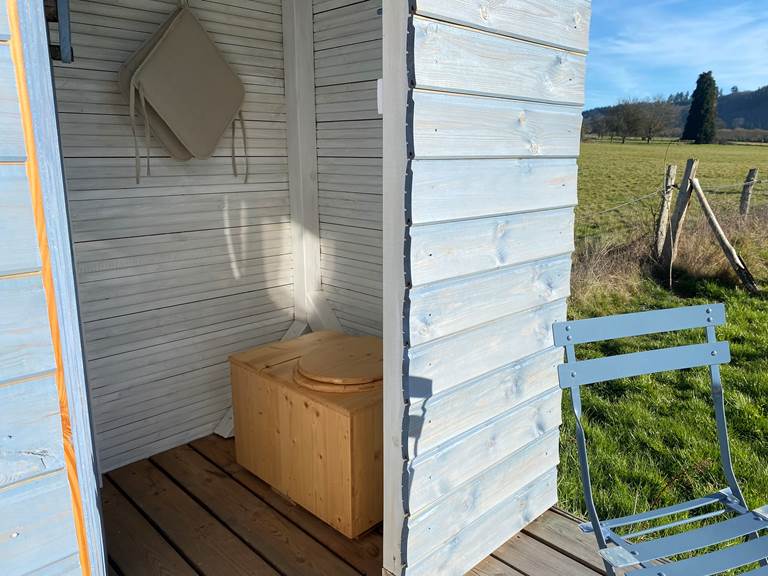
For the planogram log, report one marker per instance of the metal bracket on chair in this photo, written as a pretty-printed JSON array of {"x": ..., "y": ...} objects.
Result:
[
  {"x": 762, "y": 512},
  {"x": 618, "y": 557}
]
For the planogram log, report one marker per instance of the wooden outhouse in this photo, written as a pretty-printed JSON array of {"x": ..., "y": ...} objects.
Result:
[{"x": 411, "y": 175}]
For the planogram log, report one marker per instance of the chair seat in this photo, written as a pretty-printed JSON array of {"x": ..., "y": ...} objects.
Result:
[
  {"x": 669, "y": 546},
  {"x": 716, "y": 562}
]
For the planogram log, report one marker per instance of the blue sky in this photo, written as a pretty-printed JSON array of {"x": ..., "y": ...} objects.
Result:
[{"x": 645, "y": 48}]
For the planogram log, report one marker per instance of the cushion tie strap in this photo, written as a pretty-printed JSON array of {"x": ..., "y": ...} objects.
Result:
[
  {"x": 245, "y": 143},
  {"x": 132, "y": 114},
  {"x": 146, "y": 126},
  {"x": 234, "y": 161},
  {"x": 245, "y": 146}
]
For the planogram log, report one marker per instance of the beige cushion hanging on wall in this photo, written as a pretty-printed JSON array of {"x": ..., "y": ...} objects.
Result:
[
  {"x": 188, "y": 93},
  {"x": 159, "y": 128}
]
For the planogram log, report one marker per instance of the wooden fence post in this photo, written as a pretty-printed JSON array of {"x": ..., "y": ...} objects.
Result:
[
  {"x": 678, "y": 217},
  {"x": 746, "y": 192},
  {"x": 730, "y": 252},
  {"x": 662, "y": 225}
]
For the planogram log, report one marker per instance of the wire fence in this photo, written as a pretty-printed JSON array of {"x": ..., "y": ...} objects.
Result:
[{"x": 650, "y": 201}]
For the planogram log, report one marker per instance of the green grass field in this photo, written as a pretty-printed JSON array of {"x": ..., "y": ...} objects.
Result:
[
  {"x": 652, "y": 440},
  {"x": 610, "y": 174}
]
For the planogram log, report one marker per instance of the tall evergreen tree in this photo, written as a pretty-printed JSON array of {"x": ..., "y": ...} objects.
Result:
[{"x": 701, "y": 125}]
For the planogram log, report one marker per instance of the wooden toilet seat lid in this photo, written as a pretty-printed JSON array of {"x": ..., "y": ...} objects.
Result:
[{"x": 350, "y": 363}]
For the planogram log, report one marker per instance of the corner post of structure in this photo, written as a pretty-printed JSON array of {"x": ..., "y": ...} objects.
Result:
[
  {"x": 395, "y": 164},
  {"x": 298, "y": 52}
]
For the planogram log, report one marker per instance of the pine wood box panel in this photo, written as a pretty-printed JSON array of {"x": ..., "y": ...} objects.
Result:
[{"x": 322, "y": 450}]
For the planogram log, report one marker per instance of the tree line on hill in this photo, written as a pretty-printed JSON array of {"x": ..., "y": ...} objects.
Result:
[{"x": 704, "y": 117}]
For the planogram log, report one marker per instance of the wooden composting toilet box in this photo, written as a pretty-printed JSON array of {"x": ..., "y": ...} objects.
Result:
[{"x": 308, "y": 421}]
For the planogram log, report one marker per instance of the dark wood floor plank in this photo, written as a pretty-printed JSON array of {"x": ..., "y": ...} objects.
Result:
[
  {"x": 493, "y": 567},
  {"x": 364, "y": 553},
  {"x": 534, "y": 558},
  {"x": 133, "y": 544},
  {"x": 208, "y": 544},
  {"x": 288, "y": 548},
  {"x": 562, "y": 533}
]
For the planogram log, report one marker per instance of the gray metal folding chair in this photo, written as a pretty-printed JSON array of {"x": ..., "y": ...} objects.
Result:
[{"x": 634, "y": 550}]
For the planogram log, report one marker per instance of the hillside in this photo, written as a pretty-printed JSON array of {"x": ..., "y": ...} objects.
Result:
[
  {"x": 741, "y": 110},
  {"x": 745, "y": 109}
]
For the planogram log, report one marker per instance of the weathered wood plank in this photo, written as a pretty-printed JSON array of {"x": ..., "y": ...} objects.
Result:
[
  {"x": 288, "y": 549},
  {"x": 563, "y": 534},
  {"x": 460, "y": 189},
  {"x": 440, "y": 365},
  {"x": 458, "y": 126},
  {"x": 364, "y": 553},
  {"x": 441, "y": 251},
  {"x": 209, "y": 545},
  {"x": 449, "y": 306},
  {"x": 134, "y": 545},
  {"x": 441, "y": 471},
  {"x": 493, "y": 567},
  {"x": 17, "y": 226},
  {"x": 556, "y": 22},
  {"x": 12, "y": 147},
  {"x": 499, "y": 66},
  {"x": 36, "y": 527},
  {"x": 438, "y": 419},
  {"x": 430, "y": 528},
  {"x": 25, "y": 335},
  {"x": 531, "y": 556},
  {"x": 466, "y": 549},
  {"x": 30, "y": 430}
]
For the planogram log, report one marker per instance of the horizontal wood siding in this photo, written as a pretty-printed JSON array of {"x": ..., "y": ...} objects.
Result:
[
  {"x": 30, "y": 438},
  {"x": 496, "y": 108},
  {"x": 190, "y": 265},
  {"x": 562, "y": 23},
  {"x": 18, "y": 221},
  {"x": 347, "y": 41},
  {"x": 12, "y": 141},
  {"x": 36, "y": 526},
  {"x": 37, "y": 529},
  {"x": 5, "y": 32}
]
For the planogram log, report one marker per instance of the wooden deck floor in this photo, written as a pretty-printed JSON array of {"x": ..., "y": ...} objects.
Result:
[{"x": 193, "y": 510}]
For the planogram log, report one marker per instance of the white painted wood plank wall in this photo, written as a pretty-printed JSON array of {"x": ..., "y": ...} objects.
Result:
[
  {"x": 496, "y": 100},
  {"x": 178, "y": 272},
  {"x": 348, "y": 56}
]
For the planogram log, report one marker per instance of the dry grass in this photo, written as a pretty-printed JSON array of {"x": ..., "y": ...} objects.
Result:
[
  {"x": 700, "y": 256},
  {"x": 617, "y": 266}
]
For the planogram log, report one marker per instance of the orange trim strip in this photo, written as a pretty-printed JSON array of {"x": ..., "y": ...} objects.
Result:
[{"x": 17, "y": 55}]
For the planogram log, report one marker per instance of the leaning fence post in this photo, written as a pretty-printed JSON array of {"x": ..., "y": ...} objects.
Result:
[
  {"x": 730, "y": 252},
  {"x": 746, "y": 192},
  {"x": 678, "y": 217},
  {"x": 662, "y": 225}
]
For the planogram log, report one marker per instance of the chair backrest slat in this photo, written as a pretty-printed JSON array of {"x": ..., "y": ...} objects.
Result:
[
  {"x": 638, "y": 324},
  {"x": 639, "y": 363}
]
